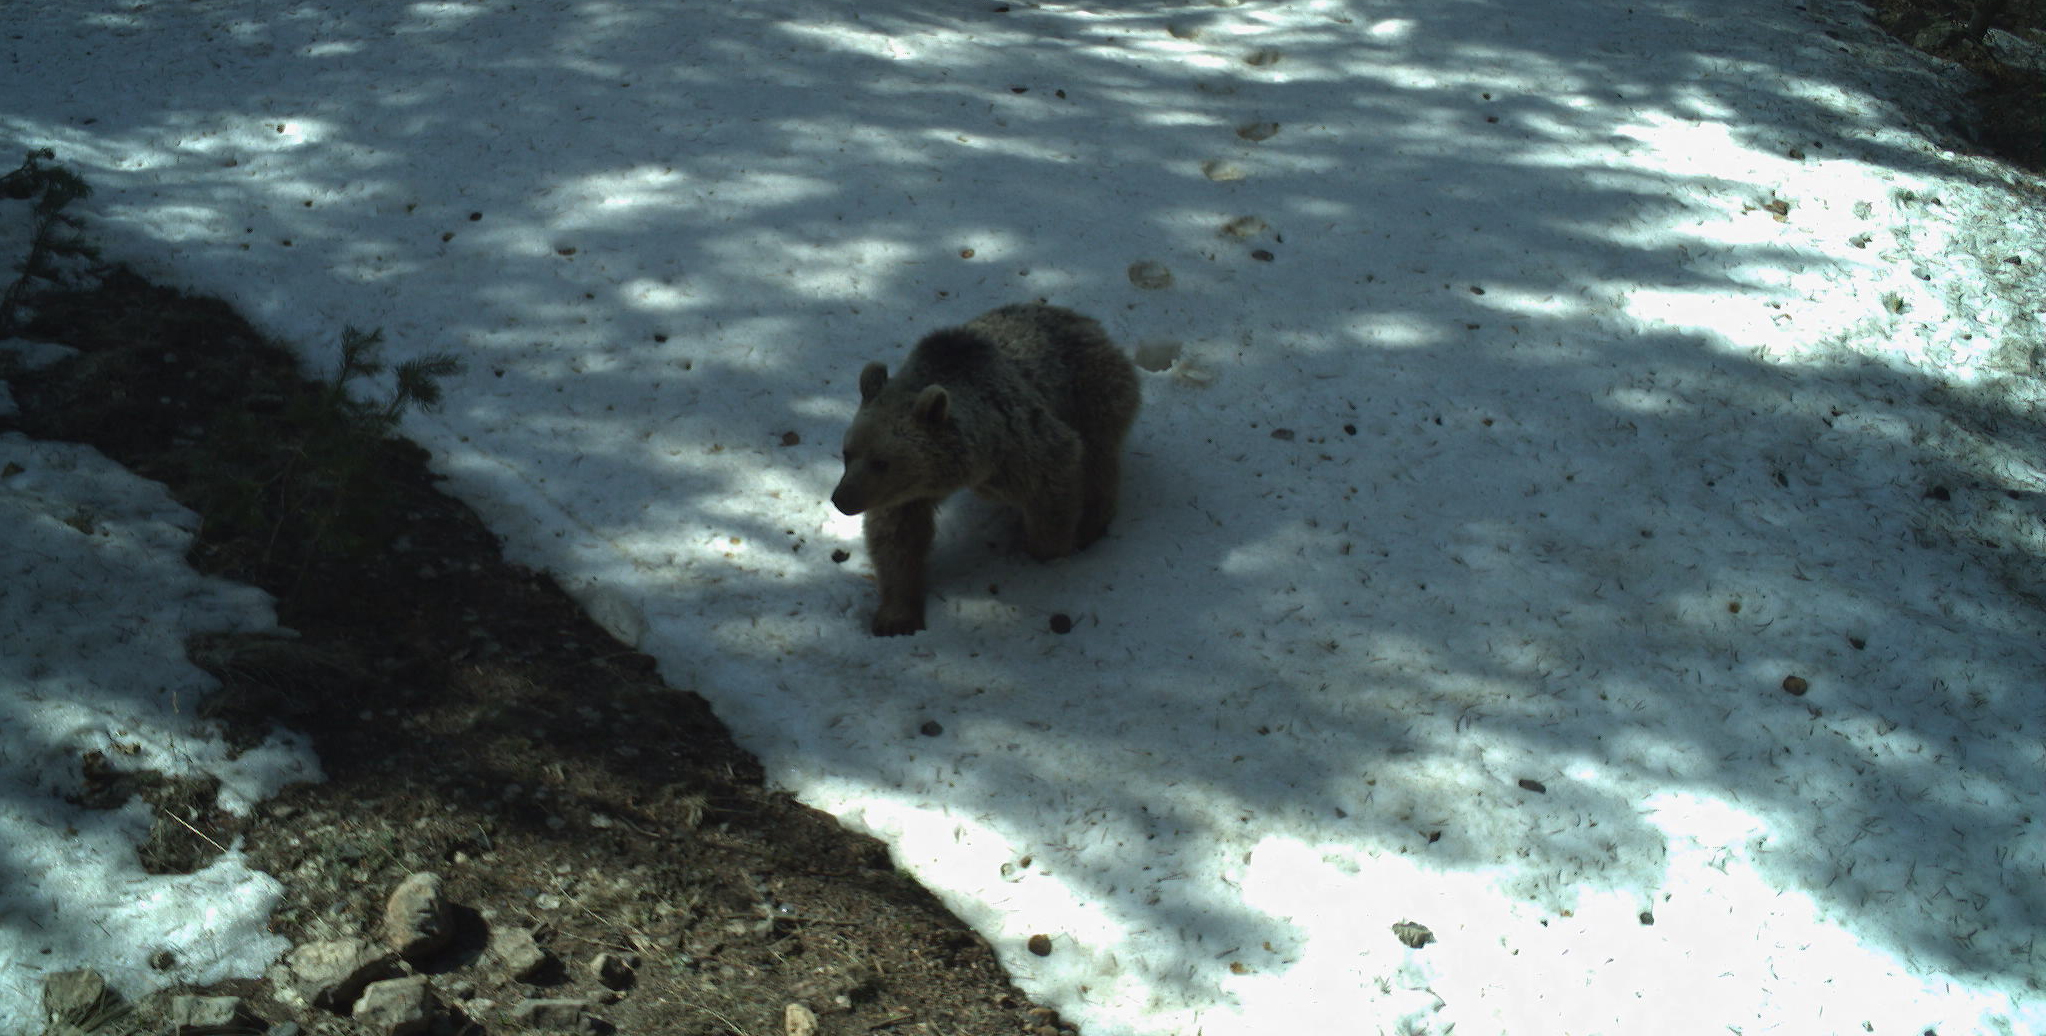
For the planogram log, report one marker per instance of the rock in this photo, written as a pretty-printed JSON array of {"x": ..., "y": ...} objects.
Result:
[
  {"x": 520, "y": 953},
  {"x": 76, "y": 998},
  {"x": 211, "y": 1016},
  {"x": 1412, "y": 934},
  {"x": 555, "y": 1016},
  {"x": 397, "y": 1007},
  {"x": 612, "y": 970},
  {"x": 2025, "y": 52},
  {"x": 797, "y": 1020},
  {"x": 331, "y": 974},
  {"x": 417, "y": 921}
]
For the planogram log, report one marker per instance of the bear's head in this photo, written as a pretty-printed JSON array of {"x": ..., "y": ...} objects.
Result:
[{"x": 904, "y": 444}]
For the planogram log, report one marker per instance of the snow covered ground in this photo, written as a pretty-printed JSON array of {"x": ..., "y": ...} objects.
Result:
[{"x": 1595, "y": 511}]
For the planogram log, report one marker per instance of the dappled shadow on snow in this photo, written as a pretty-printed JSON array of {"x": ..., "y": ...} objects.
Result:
[{"x": 1436, "y": 504}]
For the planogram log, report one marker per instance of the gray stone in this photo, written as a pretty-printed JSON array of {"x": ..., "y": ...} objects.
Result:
[
  {"x": 798, "y": 1020},
  {"x": 417, "y": 921},
  {"x": 331, "y": 974},
  {"x": 210, "y": 1016},
  {"x": 555, "y": 1016},
  {"x": 520, "y": 953},
  {"x": 397, "y": 1007}
]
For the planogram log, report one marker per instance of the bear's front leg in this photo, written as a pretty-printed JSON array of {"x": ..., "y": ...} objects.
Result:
[{"x": 898, "y": 542}]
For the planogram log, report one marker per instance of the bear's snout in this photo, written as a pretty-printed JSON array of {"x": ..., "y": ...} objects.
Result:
[{"x": 847, "y": 501}]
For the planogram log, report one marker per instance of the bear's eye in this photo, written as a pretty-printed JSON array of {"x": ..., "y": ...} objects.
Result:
[{"x": 878, "y": 467}]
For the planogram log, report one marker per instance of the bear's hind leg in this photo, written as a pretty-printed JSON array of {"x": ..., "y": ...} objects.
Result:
[
  {"x": 1051, "y": 522},
  {"x": 898, "y": 542},
  {"x": 1051, "y": 501},
  {"x": 1101, "y": 484}
]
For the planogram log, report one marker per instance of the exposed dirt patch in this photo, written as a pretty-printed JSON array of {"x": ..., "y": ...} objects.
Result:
[
  {"x": 2009, "y": 119},
  {"x": 472, "y": 722}
]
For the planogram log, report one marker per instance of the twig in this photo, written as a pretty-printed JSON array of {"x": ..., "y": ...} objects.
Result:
[{"x": 194, "y": 830}]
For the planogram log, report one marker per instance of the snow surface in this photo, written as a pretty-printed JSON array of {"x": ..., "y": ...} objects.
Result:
[{"x": 1583, "y": 372}]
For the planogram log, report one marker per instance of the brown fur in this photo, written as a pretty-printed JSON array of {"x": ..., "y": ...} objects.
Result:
[{"x": 1026, "y": 405}]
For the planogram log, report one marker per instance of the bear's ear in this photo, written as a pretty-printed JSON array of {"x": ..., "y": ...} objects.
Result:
[
  {"x": 932, "y": 404},
  {"x": 872, "y": 377}
]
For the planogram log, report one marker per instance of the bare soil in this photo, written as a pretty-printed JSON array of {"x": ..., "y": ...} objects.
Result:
[{"x": 2008, "y": 120}]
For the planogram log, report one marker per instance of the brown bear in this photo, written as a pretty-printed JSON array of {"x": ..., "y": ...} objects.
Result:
[{"x": 1026, "y": 405}]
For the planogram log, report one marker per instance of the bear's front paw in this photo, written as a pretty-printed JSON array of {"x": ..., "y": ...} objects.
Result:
[{"x": 896, "y": 622}]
